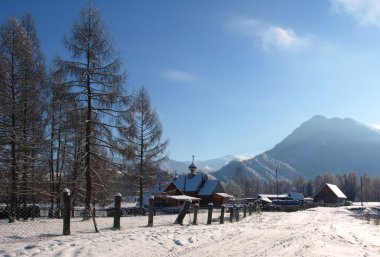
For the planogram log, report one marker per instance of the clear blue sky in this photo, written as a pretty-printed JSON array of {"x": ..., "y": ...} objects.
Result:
[{"x": 235, "y": 77}]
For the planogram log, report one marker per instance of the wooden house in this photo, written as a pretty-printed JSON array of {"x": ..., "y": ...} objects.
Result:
[
  {"x": 213, "y": 192},
  {"x": 172, "y": 196},
  {"x": 331, "y": 194},
  {"x": 198, "y": 185}
]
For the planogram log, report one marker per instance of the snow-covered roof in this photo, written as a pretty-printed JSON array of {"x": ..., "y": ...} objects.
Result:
[
  {"x": 211, "y": 187},
  {"x": 265, "y": 199},
  {"x": 183, "y": 197},
  {"x": 225, "y": 195},
  {"x": 336, "y": 191},
  {"x": 273, "y": 196},
  {"x": 190, "y": 183},
  {"x": 296, "y": 196}
]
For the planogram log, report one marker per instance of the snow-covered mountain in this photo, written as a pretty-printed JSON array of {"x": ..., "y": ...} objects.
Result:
[
  {"x": 205, "y": 166},
  {"x": 317, "y": 146}
]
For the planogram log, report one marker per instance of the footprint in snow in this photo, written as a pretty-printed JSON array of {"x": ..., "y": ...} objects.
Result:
[{"x": 178, "y": 242}]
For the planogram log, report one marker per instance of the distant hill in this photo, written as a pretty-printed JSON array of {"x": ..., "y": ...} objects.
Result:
[
  {"x": 205, "y": 166},
  {"x": 317, "y": 146}
]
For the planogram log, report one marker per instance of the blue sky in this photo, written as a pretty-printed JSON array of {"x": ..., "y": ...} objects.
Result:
[{"x": 235, "y": 77}]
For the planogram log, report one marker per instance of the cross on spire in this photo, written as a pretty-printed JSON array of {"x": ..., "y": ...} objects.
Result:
[{"x": 192, "y": 166}]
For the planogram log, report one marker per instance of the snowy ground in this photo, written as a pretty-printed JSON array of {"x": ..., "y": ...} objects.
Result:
[{"x": 314, "y": 232}]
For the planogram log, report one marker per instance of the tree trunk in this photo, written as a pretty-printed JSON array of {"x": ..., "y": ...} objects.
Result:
[
  {"x": 88, "y": 135},
  {"x": 13, "y": 203},
  {"x": 51, "y": 163},
  {"x": 141, "y": 157}
]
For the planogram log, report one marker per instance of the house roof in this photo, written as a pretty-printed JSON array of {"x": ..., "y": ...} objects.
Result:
[
  {"x": 336, "y": 191},
  {"x": 297, "y": 196},
  {"x": 172, "y": 189},
  {"x": 264, "y": 199},
  {"x": 273, "y": 196},
  {"x": 183, "y": 197},
  {"x": 225, "y": 195},
  {"x": 190, "y": 183},
  {"x": 211, "y": 187}
]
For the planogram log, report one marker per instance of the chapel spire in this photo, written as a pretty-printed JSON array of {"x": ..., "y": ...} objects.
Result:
[{"x": 192, "y": 166}]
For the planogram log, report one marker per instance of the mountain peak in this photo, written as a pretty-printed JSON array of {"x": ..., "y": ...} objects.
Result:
[
  {"x": 317, "y": 146},
  {"x": 318, "y": 117}
]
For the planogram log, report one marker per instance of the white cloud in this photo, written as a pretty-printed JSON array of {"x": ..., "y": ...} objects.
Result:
[
  {"x": 366, "y": 12},
  {"x": 178, "y": 75},
  {"x": 283, "y": 38},
  {"x": 376, "y": 126},
  {"x": 270, "y": 37}
]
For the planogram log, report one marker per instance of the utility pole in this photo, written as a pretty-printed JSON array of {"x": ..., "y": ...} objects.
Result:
[
  {"x": 277, "y": 184},
  {"x": 361, "y": 190}
]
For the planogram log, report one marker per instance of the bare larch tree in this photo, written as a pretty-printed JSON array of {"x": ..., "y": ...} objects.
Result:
[
  {"x": 144, "y": 138},
  {"x": 22, "y": 109},
  {"x": 95, "y": 79}
]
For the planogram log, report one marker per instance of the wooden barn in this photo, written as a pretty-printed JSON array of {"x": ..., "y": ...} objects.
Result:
[{"x": 330, "y": 194}]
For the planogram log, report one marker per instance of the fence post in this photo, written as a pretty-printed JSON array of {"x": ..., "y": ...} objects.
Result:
[
  {"x": 66, "y": 212},
  {"x": 209, "y": 216},
  {"x": 245, "y": 210},
  {"x": 182, "y": 213},
  {"x": 222, "y": 208},
  {"x": 117, "y": 211},
  {"x": 151, "y": 211},
  {"x": 257, "y": 207},
  {"x": 231, "y": 213},
  {"x": 250, "y": 209},
  {"x": 196, "y": 208},
  {"x": 237, "y": 213}
]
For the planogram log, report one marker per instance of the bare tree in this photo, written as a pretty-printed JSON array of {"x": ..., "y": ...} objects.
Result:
[
  {"x": 33, "y": 110},
  {"x": 144, "y": 141},
  {"x": 95, "y": 79},
  {"x": 22, "y": 102},
  {"x": 63, "y": 136},
  {"x": 234, "y": 189}
]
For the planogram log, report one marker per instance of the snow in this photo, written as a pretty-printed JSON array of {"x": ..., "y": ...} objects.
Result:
[
  {"x": 336, "y": 191},
  {"x": 273, "y": 196},
  {"x": 225, "y": 195},
  {"x": 183, "y": 197},
  {"x": 314, "y": 232},
  {"x": 265, "y": 199}
]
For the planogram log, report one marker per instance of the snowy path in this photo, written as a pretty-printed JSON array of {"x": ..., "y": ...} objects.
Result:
[
  {"x": 315, "y": 232},
  {"x": 326, "y": 232}
]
